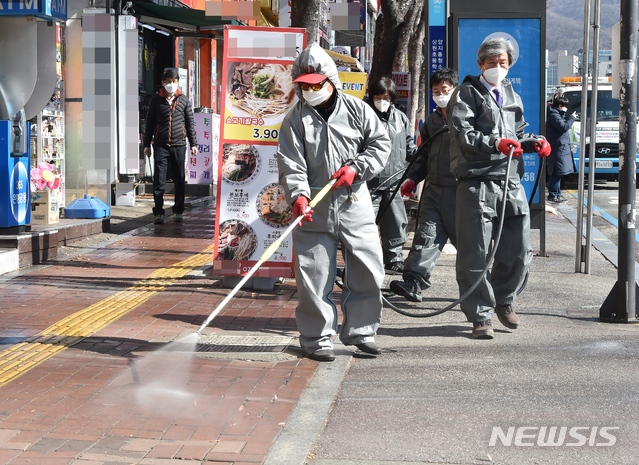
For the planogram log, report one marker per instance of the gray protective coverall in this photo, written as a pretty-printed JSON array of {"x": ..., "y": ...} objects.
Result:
[
  {"x": 436, "y": 222},
  {"x": 392, "y": 226},
  {"x": 310, "y": 151},
  {"x": 477, "y": 123}
]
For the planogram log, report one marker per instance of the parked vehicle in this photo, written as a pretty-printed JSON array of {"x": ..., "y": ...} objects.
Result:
[{"x": 607, "y": 140}]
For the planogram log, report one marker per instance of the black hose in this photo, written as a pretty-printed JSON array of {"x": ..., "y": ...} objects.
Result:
[
  {"x": 488, "y": 262},
  {"x": 422, "y": 146}
]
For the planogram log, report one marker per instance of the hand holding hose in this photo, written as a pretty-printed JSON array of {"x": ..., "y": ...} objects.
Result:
[
  {"x": 345, "y": 176},
  {"x": 407, "y": 188},
  {"x": 542, "y": 147},
  {"x": 504, "y": 146},
  {"x": 299, "y": 209}
]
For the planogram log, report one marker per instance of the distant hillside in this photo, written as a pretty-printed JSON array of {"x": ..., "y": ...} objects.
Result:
[{"x": 565, "y": 25}]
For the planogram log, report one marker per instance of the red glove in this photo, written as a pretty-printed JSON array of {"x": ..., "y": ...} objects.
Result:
[
  {"x": 542, "y": 148},
  {"x": 505, "y": 145},
  {"x": 407, "y": 188},
  {"x": 345, "y": 177},
  {"x": 299, "y": 207}
]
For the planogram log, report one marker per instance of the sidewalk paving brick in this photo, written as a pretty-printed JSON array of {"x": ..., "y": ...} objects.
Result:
[{"x": 101, "y": 400}]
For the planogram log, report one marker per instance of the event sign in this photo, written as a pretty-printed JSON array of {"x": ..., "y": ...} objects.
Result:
[{"x": 257, "y": 92}]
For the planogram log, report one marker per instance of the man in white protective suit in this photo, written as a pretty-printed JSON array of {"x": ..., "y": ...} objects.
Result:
[{"x": 331, "y": 135}]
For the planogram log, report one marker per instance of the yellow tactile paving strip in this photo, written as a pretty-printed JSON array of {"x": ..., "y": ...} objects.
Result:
[{"x": 20, "y": 358}]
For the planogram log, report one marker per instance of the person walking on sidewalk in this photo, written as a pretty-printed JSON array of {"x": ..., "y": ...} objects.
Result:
[
  {"x": 331, "y": 135},
  {"x": 392, "y": 225},
  {"x": 486, "y": 119},
  {"x": 560, "y": 161},
  {"x": 436, "y": 220},
  {"x": 170, "y": 122}
]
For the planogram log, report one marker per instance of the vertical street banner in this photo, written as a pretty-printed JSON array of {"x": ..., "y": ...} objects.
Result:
[
  {"x": 436, "y": 42},
  {"x": 257, "y": 92},
  {"x": 200, "y": 167}
]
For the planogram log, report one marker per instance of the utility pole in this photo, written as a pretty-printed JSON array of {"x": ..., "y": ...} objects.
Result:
[{"x": 621, "y": 304}]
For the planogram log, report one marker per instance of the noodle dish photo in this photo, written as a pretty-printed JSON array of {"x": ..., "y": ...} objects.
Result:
[
  {"x": 260, "y": 90},
  {"x": 237, "y": 241}
]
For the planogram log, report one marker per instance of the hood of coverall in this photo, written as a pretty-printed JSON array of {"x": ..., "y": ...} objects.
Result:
[{"x": 315, "y": 60}]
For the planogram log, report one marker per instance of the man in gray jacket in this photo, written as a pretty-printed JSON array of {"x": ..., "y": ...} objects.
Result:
[
  {"x": 331, "y": 135},
  {"x": 486, "y": 119}
]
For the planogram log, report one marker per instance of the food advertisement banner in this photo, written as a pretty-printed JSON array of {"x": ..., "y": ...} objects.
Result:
[{"x": 257, "y": 92}]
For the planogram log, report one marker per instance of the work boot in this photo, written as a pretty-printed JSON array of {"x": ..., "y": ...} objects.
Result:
[
  {"x": 395, "y": 268},
  {"x": 483, "y": 330},
  {"x": 159, "y": 219},
  {"x": 507, "y": 316},
  {"x": 410, "y": 289},
  {"x": 322, "y": 355},
  {"x": 369, "y": 348}
]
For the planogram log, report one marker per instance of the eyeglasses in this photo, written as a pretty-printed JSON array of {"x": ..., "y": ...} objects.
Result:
[{"x": 315, "y": 87}]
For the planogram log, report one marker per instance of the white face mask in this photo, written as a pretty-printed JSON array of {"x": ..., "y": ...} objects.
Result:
[
  {"x": 495, "y": 75},
  {"x": 382, "y": 105},
  {"x": 442, "y": 100},
  {"x": 171, "y": 87},
  {"x": 315, "y": 97}
]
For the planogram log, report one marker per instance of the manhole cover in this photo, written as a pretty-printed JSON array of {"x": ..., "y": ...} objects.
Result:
[{"x": 242, "y": 343}]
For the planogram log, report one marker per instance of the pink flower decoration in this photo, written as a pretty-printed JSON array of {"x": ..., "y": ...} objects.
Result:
[
  {"x": 41, "y": 184},
  {"x": 44, "y": 166}
]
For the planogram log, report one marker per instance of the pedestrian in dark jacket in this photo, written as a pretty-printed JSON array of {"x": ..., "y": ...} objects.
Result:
[
  {"x": 560, "y": 161},
  {"x": 170, "y": 122},
  {"x": 392, "y": 225}
]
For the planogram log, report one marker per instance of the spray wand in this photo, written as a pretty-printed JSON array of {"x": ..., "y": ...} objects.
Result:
[{"x": 268, "y": 253}]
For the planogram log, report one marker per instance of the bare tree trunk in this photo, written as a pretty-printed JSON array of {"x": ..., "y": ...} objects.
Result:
[
  {"x": 394, "y": 12},
  {"x": 305, "y": 13},
  {"x": 413, "y": 17},
  {"x": 415, "y": 62}
]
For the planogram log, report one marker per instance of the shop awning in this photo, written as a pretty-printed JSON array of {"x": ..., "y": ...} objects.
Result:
[
  {"x": 347, "y": 62},
  {"x": 171, "y": 17}
]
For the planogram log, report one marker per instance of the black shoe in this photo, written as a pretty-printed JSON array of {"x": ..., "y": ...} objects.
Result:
[
  {"x": 369, "y": 348},
  {"x": 410, "y": 289},
  {"x": 159, "y": 219},
  {"x": 178, "y": 218},
  {"x": 322, "y": 355},
  {"x": 558, "y": 199},
  {"x": 395, "y": 268}
]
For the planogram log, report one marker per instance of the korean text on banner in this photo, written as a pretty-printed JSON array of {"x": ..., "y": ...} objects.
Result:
[
  {"x": 257, "y": 92},
  {"x": 201, "y": 166}
]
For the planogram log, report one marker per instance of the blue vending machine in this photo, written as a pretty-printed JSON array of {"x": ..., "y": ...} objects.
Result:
[
  {"x": 27, "y": 81},
  {"x": 15, "y": 196}
]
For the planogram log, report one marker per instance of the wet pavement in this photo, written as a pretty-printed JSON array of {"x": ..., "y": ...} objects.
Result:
[{"x": 99, "y": 365}]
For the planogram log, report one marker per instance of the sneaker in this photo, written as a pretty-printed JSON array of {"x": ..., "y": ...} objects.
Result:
[
  {"x": 410, "y": 289},
  {"x": 395, "y": 268},
  {"x": 177, "y": 217},
  {"x": 483, "y": 330},
  {"x": 558, "y": 199},
  {"x": 507, "y": 316},
  {"x": 159, "y": 219}
]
